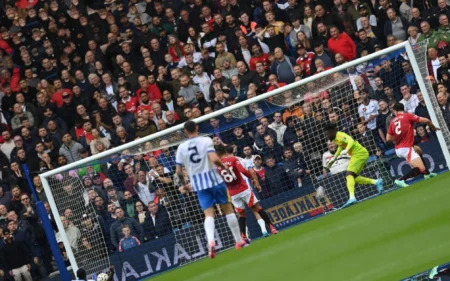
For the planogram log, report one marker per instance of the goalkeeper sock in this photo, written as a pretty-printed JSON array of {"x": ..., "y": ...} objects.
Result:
[
  {"x": 351, "y": 186},
  {"x": 209, "y": 228},
  {"x": 242, "y": 225},
  {"x": 234, "y": 227},
  {"x": 262, "y": 225},
  {"x": 411, "y": 174},
  {"x": 364, "y": 180},
  {"x": 264, "y": 216}
]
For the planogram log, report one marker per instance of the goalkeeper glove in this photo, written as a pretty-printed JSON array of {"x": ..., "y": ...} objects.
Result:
[{"x": 345, "y": 151}]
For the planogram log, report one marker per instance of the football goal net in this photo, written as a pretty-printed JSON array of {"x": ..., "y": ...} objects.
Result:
[{"x": 127, "y": 204}]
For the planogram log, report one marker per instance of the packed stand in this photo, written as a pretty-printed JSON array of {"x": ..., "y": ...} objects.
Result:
[{"x": 80, "y": 78}]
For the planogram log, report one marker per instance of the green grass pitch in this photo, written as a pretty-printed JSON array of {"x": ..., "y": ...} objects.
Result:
[{"x": 387, "y": 238}]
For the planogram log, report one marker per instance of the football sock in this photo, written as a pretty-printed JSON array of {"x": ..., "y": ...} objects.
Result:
[
  {"x": 242, "y": 225},
  {"x": 209, "y": 228},
  {"x": 364, "y": 180},
  {"x": 262, "y": 225},
  {"x": 411, "y": 174},
  {"x": 264, "y": 216},
  {"x": 425, "y": 172},
  {"x": 351, "y": 186},
  {"x": 234, "y": 227}
]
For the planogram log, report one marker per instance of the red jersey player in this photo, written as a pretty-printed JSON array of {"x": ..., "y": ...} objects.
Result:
[
  {"x": 240, "y": 192},
  {"x": 401, "y": 131}
]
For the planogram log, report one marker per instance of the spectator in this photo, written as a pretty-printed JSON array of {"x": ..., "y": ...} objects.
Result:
[
  {"x": 368, "y": 111},
  {"x": 341, "y": 43},
  {"x": 272, "y": 148},
  {"x": 116, "y": 227},
  {"x": 224, "y": 55},
  {"x": 295, "y": 167},
  {"x": 128, "y": 241},
  {"x": 70, "y": 149},
  {"x": 278, "y": 126},
  {"x": 444, "y": 105},
  {"x": 19, "y": 113},
  {"x": 396, "y": 25},
  {"x": 72, "y": 232},
  {"x": 364, "y": 11},
  {"x": 339, "y": 165},
  {"x": 282, "y": 66},
  {"x": 410, "y": 101},
  {"x": 421, "y": 109},
  {"x": 276, "y": 177},
  {"x": 159, "y": 221},
  {"x": 16, "y": 256}
]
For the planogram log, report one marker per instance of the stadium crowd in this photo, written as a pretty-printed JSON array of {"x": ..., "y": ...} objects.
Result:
[{"x": 78, "y": 78}]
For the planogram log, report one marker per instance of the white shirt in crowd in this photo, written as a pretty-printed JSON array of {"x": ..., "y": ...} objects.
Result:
[
  {"x": 411, "y": 103},
  {"x": 366, "y": 111},
  {"x": 339, "y": 165}
]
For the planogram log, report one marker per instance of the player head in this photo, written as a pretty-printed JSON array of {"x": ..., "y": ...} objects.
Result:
[
  {"x": 398, "y": 108},
  {"x": 221, "y": 150},
  {"x": 331, "y": 131},
  {"x": 190, "y": 128},
  {"x": 229, "y": 149}
]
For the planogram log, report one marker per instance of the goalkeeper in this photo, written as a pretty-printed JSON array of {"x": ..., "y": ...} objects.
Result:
[{"x": 359, "y": 156}]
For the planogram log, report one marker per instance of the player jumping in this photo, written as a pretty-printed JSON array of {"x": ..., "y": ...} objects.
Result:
[
  {"x": 358, "y": 158},
  {"x": 240, "y": 192},
  {"x": 198, "y": 156},
  {"x": 401, "y": 131}
]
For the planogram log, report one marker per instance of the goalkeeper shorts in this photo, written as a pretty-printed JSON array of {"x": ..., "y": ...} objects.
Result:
[{"x": 357, "y": 162}]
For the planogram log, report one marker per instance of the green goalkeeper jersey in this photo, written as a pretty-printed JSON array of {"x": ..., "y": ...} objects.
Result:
[{"x": 344, "y": 141}]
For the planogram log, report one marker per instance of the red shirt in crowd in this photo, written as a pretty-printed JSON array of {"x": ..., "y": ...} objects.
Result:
[
  {"x": 264, "y": 58},
  {"x": 154, "y": 94},
  {"x": 305, "y": 62},
  {"x": 131, "y": 104},
  {"x": 57, "y": 97},
  {"x": 343, "y": 45},
  {"x": 280, "y": 84}
]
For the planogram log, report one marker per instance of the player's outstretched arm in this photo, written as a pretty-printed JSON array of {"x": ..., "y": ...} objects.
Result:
[
  {"x": 429, "y": 123},
  {"x": 213, "y": 157},
  {"x": 179, "y": 172}
]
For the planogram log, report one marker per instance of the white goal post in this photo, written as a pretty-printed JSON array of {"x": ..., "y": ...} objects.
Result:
[{"x": 418, "y": 68}]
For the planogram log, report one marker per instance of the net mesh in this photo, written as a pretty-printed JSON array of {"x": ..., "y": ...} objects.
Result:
[{"x": 282, "y": 139}]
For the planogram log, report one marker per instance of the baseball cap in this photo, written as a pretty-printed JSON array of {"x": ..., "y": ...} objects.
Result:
[
  {"x": 362, "y": 7},
  {"x": 257, "y": 156},
  {"x": 48, "y": 139},
  {"x": 317, "y": 43}
]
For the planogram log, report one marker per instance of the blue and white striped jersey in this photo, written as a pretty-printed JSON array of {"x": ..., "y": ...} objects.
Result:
[{"x": 193, "y": 154}]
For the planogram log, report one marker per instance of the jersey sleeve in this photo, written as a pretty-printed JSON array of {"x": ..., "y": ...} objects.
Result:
[
  {"x": 345, "y": 139},
  {"x": 209, "y": 145},
  {"x": 178, "y": 158},
  {"x": 413, "y": 118},
  {"x": 241, "y": 168}
]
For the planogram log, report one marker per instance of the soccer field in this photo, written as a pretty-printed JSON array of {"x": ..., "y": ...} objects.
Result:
[{"x": 387, "y": 238}]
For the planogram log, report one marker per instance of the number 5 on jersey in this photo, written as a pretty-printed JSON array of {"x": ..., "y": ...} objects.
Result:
[{"x": 195, "y": 156}]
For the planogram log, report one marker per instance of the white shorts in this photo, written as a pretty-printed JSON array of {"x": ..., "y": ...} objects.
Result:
[
  {"x": 245, "y": 198},
  {"x": 407, "y": 153}
]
